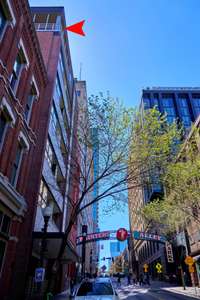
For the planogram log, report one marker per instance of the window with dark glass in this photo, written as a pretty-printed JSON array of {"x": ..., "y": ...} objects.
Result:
[
  {"x": 78, "y": 93},
  {"x": 146, "y": 101},
  {"x": 3, "y": 122},
  {"x": 168, "y": 107},
  {"x": 167, "y": 100},
  {"x": 5, "y": 226},
  {"x": 2, "y": 19},
  {"x": 18, "y": 65},
  {"x": 31, "y": 96},
  {"x": 16, "y": 164},
  {"x": 2, "y": 252},
  {"x": 184, "y": 110},
  {"x": 196, "y": 103}
]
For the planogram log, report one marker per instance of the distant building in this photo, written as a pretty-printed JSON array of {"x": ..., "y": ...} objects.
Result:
[
  {"x": 183, "y": 105},
  {"x": 117, "y": 247},
  {"x": 86, "y": 216}
]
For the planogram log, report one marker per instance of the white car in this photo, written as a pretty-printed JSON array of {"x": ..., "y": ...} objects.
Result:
[{"x": 96, "y": 289}]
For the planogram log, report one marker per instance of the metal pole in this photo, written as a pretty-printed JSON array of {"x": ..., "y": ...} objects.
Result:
[
  {"x": 84, "y": 234},
  {"x": 83, "y": 257},
  {"x": 43, "y": 244}
]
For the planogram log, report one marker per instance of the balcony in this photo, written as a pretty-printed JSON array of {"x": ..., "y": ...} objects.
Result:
[{"x": 48, "y": 27}]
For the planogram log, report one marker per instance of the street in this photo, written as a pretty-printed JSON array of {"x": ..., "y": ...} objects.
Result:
[{"x": 144, "y": 293}]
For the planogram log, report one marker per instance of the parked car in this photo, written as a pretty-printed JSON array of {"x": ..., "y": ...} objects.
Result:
[{"x": 100, "y": 288}]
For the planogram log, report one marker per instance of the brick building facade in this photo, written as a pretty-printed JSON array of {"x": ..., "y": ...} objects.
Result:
[{"x": 23, "y": 80}]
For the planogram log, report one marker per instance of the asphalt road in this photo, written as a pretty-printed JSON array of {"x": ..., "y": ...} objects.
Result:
[{"x": 139, "y": 293}]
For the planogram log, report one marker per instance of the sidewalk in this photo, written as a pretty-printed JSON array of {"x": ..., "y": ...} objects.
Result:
[
  {"x": 62, "y": 296},
  {"x": 190, "y": 291}
]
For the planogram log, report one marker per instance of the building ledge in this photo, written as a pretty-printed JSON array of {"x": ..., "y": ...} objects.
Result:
[{"x": 11, "y": 198}]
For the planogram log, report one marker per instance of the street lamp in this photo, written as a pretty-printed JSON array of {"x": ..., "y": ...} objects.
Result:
[
  {"x": 84, "y": 234},
  {"x": 47, "y": 213}
]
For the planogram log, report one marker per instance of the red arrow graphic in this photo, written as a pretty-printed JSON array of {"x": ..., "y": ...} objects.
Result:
[{"x": 76, "y": 28}]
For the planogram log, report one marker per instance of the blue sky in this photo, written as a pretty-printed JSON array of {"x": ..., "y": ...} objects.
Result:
[{"x": 132, "y": 44}]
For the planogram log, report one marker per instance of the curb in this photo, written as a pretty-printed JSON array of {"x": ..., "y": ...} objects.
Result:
[{"x": 192, "y": 296}]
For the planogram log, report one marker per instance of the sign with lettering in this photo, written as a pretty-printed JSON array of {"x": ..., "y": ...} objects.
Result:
[
  {"x": 94, "y": 237},
  {"x": 39, "y": 274},
  {"x": 169, "y": 252},
  {"x": 139, "y": 235}
]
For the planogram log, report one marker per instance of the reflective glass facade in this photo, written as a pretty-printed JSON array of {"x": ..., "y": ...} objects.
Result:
[{"x": 179, "y": 104}]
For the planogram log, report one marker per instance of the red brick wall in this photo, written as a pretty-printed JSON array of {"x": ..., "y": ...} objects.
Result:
[{"x": 18, "y": 250}]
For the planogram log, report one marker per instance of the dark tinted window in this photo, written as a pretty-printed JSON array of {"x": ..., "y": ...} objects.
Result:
[
  {"x": 2, "y": 19},
  {"x": 95, "y": 288},
  {"x": 2, "y": 252}
]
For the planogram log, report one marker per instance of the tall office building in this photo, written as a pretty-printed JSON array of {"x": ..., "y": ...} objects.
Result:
[
  {"x": 117, "y": 247},
  {"x": 183, "y": 105}
]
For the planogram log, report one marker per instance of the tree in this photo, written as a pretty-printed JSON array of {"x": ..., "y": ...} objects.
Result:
[
  {"x": 130, "y": 148},
  {"x": 181, "y": 202}
]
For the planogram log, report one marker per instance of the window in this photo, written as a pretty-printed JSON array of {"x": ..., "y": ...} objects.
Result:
[
  {"x": 2, "y": 19},
  {"x": 2, "y": 252},
  {"x": 43, "y": 194},
  {"x": 167, "y": 100},
  {"x": 17, "y": 68},
  {"x": 49, "y": 154},
  {"x": 4, "y": 223},
  {"x": 186, "y": 121},
  {"x": 196, "y": 104},
  {"x": 146, "y": 100},
  {"x": 3, "y": 123},
  {"x": 16, "y": 165},
  {"x": 184, "y": 110},
  {"x": 78, "y": 93},
  {"x": 31, "y": 97}
]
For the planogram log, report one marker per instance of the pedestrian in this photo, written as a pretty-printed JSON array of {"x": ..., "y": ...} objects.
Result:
[
  {"x": 119, "y": 280},
  {"x": 141, "y": 281},
  {"x": 72, "y": 283},
  {"x": 134, "y": 278},
  {"x": 147, "y": 279}
]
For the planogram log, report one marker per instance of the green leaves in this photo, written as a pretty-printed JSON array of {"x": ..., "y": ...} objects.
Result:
[{"x": 181, "y": 180}]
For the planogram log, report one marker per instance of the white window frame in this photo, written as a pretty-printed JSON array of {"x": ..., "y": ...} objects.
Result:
[
  {"x": 12, "y": 22},
  {"x": 25, "y": 148},
  {"x": 33, "y": 82},
  {"x": 6, "y": 108}
]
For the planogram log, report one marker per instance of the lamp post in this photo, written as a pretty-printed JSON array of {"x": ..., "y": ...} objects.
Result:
[
  {"x": 47, "y": 213},
  {"x": 84, "y": 234}
]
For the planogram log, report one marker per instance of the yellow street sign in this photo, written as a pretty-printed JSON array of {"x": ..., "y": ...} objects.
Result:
[
  {"x": 189, "y": 260},
  {"x": 191, "y": 269},
  {"x": 159, "y": 268},
  {"x": 145, "y": 268}
]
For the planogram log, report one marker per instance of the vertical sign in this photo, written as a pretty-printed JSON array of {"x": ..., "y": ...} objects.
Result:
[{"x": 169, "y": 251}]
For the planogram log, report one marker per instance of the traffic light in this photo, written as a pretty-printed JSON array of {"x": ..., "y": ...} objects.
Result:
[{"x": 113, "y": 259}]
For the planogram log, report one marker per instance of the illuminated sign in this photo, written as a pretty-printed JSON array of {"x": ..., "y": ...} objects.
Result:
[{"x": 139, "y": 235}]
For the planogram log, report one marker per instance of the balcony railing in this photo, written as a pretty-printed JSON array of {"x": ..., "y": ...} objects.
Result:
[{"x": 47, "y": 27}]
